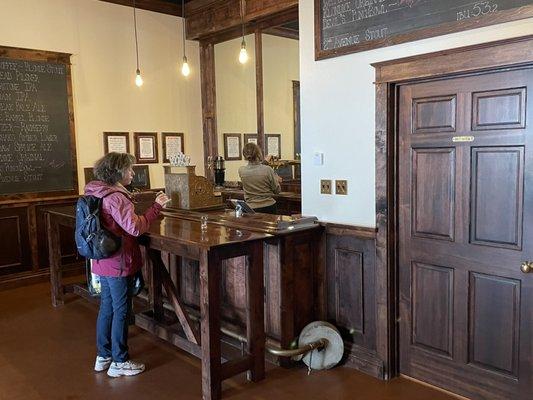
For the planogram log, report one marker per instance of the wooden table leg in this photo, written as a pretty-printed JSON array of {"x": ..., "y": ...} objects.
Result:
[
  {"x": 210, "y": 324},
  {"x": 54, "y": 258},
  {"x": 255, "y": 320},
  {"x": 156, "y": 298}
]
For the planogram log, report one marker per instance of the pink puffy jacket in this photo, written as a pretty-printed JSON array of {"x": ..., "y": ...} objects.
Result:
[{"x": 118, "y": 216}]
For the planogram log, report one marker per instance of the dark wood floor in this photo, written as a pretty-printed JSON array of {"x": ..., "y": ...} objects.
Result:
[{"x": 48, "y": 353}]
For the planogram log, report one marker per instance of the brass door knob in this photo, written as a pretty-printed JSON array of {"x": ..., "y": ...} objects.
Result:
[{"x": 526, "y": 267}]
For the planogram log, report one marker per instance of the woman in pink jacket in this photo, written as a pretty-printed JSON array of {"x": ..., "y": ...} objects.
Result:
[{"x": 114, "y": 171}]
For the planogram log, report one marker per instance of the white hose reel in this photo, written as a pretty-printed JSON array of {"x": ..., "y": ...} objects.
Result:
[{"x": 320, "y": 346}]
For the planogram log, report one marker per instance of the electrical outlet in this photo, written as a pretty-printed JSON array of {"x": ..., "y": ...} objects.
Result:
[
  {"x": 325, "y": 186},
  {"x": 341, "y": 186}
]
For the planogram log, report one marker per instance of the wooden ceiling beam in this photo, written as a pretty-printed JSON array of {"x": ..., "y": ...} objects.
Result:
[
  {"x": 159, "y": 6},
  {"x": 207, "y": 18}
]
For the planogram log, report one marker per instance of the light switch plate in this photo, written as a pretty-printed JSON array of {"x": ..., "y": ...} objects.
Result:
[
  {"x": 341, "y": 186},
  {"x": 325, "y": 186},
  {"x": 318, "y": 158}
]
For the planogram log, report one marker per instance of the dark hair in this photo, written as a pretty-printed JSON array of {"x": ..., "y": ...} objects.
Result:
[
  {"x": 111, "y": 167},
  {"x": 252, "y": 152}
]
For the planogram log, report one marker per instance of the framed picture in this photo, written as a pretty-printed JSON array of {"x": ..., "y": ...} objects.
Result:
[
  {"x": 173, "y": 143},
  {"x": 116, "y": 141},
  {"x": 141, "y": 180},
  {"x": 146, "y": 147},
  {"x": 273, "y": 144},
  {"x": 88, "y": 172},
  {"x": 250, "y": 138},
  {"x": 232, "y": 146}
]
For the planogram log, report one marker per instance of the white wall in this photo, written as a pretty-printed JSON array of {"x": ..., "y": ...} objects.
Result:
[
  {"x": 281, "y": 66},
  {"x": 337, "y": 111},
  {"x": 236, "y": 99},
  {"x": 100, "y": 37}
]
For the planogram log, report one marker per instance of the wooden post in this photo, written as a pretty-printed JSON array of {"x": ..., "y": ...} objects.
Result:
[
  {"x": 255, "y": 320},
  {"x": 54, "y": 258},
  {"x": 210, "y": 324},
  {"x": 156, "y": 298}
]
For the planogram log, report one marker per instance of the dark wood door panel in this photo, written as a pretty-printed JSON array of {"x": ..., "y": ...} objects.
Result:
[
  {"x": 432, "y": 308},
  {"x": 433, "y": 205},
  {"x": 434, "y": 114},
  {"x": 15, "y": 253},
  {"x": 499, "y": 109},
  {"x": 466, "y": 319},
  {"x": 497, "y": 196},
  {"x": 494, "y": 323}
]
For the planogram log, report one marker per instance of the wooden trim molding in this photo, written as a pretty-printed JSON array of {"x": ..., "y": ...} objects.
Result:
[
  {"x": 361, "y": 232},
  {"x": 466, "y": 60},
  {"x": 478, "y": 57}
]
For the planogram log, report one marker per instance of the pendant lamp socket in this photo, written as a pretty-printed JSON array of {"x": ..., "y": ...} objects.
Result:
[{"x": 138, "y": 78}]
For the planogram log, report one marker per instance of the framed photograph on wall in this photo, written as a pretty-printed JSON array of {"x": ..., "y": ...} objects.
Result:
[
  {"x": 116, "y": 141},
  {"x": 146, "y": 147},
  {"x": 273, "y": 144},
  {"x": 250, "y": 138},
  {"x": 141, "y": 180},
  {"x": 88, "y": 173},
  {"x": 173, "y": 143},
  {"x": 232, "y": 146}
]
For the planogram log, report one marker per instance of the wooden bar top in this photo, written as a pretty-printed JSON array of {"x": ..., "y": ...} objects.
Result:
[
  {"x": 186, "y": 231},
  {"x": 258, "y": 222}
]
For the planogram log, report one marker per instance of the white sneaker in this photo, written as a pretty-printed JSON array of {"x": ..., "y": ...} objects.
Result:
[
  {"x": 127, "y": 368},
  {"x": 102, "y": 363}
]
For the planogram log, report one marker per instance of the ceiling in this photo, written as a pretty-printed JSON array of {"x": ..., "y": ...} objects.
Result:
[{"x": 172, "y": 7}]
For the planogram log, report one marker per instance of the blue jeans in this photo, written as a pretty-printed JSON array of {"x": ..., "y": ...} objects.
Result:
[{"x": 112, "y": 322}]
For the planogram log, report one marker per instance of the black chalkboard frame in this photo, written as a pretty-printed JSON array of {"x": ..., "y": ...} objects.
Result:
[
  {"x": 19, "y": 53},
  {"x": 437, "y": 30}
]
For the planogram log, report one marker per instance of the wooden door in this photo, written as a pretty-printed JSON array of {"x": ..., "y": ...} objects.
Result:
[{"x": 465, "y": 227}]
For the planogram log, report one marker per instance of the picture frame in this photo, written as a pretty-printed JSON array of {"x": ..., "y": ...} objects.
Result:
[
  {"x": 116, "y": 142},
  {"x": 232, "y": 146},
  {"x": 250, "y": 138},
  {"x": 141, "y": 179},
  {"x": 273, "y": 144},
  {"x": 173, "y": 143},
  {"x": 88, "y": 173},
  {"x": 146, "y": 147}
]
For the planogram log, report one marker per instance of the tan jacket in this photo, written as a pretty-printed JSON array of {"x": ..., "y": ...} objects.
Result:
[{"x": 259, "y": 183}]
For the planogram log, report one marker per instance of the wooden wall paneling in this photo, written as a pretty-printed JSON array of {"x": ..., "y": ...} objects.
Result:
[
  {"x": 15, "y": 254},
  {"x": 259, "y": 89},
  {"x": 209, "y": 105},
  {"x": 350, "y": 297}
]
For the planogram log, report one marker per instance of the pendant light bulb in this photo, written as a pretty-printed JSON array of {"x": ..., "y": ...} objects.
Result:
[
  {"x": 138, "y": 79},
  {"x": 185, "y": 70},
  {"x": 243, "y": 55}
]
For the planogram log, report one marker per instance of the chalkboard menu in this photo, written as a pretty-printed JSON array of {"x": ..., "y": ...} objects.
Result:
[
  {"x": 37, "y": 149},
  {"x": 348, "y": 26}
]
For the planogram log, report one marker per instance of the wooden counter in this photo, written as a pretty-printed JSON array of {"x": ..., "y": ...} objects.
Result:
[
  {"x": 288, "y": 203},
  {"x": 292, "y": 268},
  {"x": 209, "y": 248}
]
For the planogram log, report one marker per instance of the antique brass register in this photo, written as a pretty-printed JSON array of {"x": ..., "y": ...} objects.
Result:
[{"x": 189, "y": 191}]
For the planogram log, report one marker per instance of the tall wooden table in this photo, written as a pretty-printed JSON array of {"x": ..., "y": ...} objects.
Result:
[{"x": 185, "y": 238}]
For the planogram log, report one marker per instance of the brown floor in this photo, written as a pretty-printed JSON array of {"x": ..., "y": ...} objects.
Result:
[{"x": 48, "y": 353}]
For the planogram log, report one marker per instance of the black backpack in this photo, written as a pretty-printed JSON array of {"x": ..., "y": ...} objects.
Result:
[{"x": 92, "y": 240}]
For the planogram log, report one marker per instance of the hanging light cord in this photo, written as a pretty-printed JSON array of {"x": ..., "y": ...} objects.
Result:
[
  {"x": 183, "y": 16},
  {"x": 135, "y": 28},
  {"x": 243, "y": 10}
]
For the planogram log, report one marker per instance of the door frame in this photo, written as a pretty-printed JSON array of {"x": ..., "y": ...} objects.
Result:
[{"x": 491, "y": 56}]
